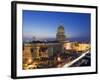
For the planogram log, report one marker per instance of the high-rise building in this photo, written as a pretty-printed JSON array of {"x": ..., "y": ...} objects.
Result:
[{"x": 60, "y": 36}]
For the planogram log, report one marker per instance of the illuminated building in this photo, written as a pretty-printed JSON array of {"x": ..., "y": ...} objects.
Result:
[
  {"x": 75, "y": 46},
  {"x": 42, "y": 49},
  {"x": 60, "y": 36},
  {"x": 27, "y": 56},
  {"x": 82, "y": 47},
  {"x": 38, "y": 50}
]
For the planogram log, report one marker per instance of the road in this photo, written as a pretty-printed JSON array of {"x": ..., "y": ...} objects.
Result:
[{"x": 77, "y": 59}]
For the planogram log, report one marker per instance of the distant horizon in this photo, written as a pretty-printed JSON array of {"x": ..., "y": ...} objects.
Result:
[
  {"x": 85, "y": 39},
  {"x": 44, "y": 24}
]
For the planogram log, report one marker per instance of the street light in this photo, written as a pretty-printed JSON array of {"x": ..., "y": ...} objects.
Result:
[
  {"x": 59, "y": 59},
  {"x": 29, "y": 61}
]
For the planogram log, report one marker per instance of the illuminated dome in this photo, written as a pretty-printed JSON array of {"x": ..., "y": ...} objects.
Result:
[
  {"x": 60, "y": 36},
  {"x": 60, "y": 29}
]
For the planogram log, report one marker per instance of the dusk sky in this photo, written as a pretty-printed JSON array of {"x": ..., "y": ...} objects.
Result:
[{"x": 43, "y": 24}]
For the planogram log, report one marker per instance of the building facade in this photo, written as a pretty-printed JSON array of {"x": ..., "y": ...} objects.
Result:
[
  {"x": 37, "y": 50},
  {"x": 43, "y": 49}
]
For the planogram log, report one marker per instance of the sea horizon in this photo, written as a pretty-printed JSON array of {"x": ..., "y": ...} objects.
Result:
[{"x": 77, "y": 39}]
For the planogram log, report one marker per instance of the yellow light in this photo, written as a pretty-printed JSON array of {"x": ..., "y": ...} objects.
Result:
[
  {"x": 29, "y": 60},
  {"x": 59, "y": 59}
]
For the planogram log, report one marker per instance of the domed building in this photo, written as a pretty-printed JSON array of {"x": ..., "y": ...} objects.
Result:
[
  {"x": 60, "y": 36},
  {"x": 45, "y": 50}
]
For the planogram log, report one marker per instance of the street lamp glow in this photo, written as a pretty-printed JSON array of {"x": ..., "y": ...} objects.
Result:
[
  {"x": 59, "y": 59},
  {"x": 29, "y": 60}
]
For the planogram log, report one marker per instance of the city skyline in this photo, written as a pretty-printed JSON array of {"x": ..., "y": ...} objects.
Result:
[{"x": 44, "y": 24}]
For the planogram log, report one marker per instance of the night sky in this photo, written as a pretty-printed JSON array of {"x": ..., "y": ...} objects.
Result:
[{"x": 43, "y": 24}]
